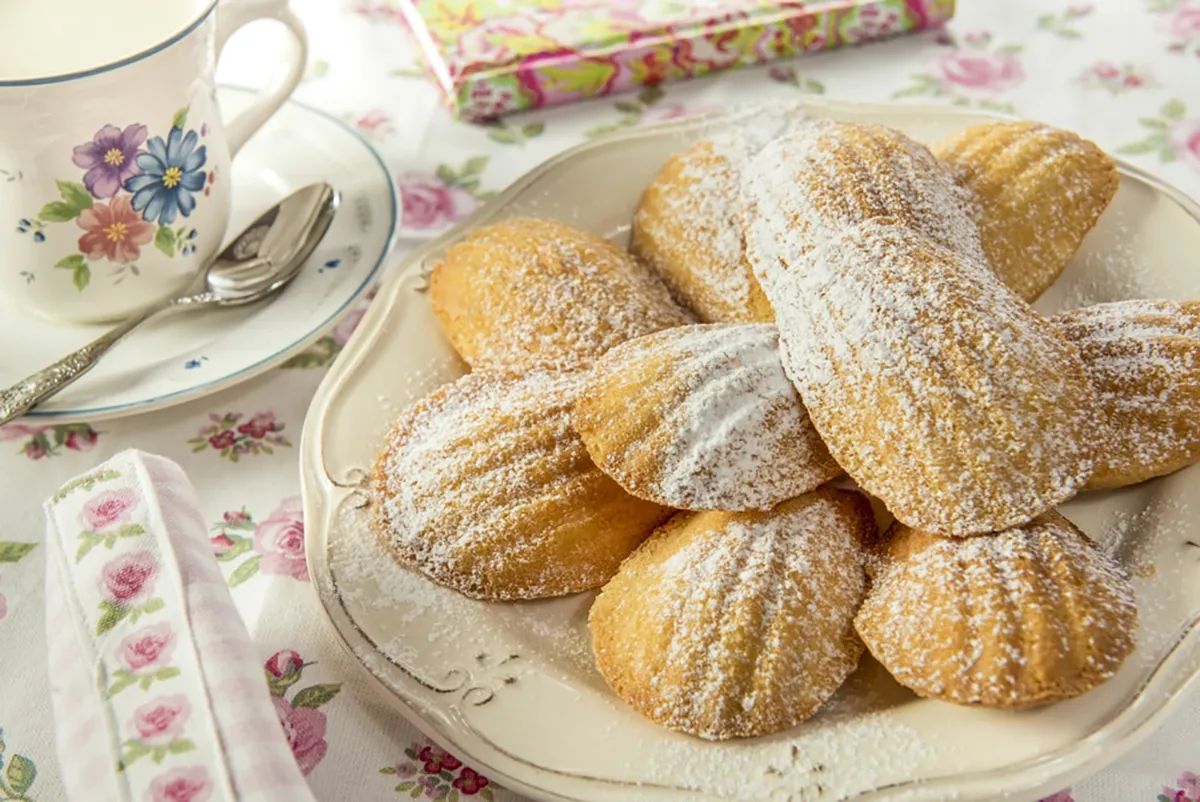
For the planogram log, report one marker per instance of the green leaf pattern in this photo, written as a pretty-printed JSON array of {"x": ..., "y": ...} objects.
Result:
[
  {"x": 1159, "y": 130},
  {"x": 17, "y": 776}
]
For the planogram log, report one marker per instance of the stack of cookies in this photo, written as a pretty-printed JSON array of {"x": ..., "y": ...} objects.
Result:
[{"x": 811, "y": 315}]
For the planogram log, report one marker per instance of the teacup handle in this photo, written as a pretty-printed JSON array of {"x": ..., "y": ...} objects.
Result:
[{"x": 230, "y": 17}]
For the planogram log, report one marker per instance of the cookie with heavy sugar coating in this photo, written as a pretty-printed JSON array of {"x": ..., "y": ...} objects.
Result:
[
  {"x": 732, "y": 625},
  {"x": 1023, "y": 617},
  {"x": 702, "y": 418},
  {"x": 1143, "y": 358},
  {"x": 483, "y": 486}
]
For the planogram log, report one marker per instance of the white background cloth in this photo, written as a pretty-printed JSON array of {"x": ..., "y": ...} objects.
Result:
[{"x": 1124, "y": 72}]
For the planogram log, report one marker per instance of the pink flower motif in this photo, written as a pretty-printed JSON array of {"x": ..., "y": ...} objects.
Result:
[
  {"x": 259, "y": 426},
  {"x": 1190, "y": 783},
  {"x": 81, "y": 441},
  {"x": 978, "y": 72},
  {"x": 346, "y": 326},
  {"x": 221, "y": 543},
  {"x": 1081, "y": 9},
  {"x": 304, "y": 728},
  {"x": 18, "y": 431},
  {"x": 161, "y": 721},
  {"x": 1185, "y": 138},
  {"x": 674, "y": 111},
  {"x": 1061, "y": 796},
  {"x": 189, "y": 784},
  {"x": 34, "y": 449},
  {"x": 113, "y": 231},
  {"x": 1105, "y": 71},
  {"x": 109, "y": 509},
  {"x": 430, "y": 204},
  {"x": 128, "y": 578},
  {"x": 280, "y": 540},
  {"x": 148, "y": 648},
  {"x": 223, "y": 439},
  {"x": 375, "y": 124},
  {"x": 1185, "y": 22},
  {"x": 283, "y": 663}
]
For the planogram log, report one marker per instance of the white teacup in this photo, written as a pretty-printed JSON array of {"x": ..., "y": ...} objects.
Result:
[{"x": 114, "y": 161}]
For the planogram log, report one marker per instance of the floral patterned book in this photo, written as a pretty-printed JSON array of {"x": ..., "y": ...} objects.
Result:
[{"x": 492, "y": 57}]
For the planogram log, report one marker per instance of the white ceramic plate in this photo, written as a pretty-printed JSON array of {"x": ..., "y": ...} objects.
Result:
[
  {"x": 513, "y": 685},
  {"x": 181, "y": 357}
]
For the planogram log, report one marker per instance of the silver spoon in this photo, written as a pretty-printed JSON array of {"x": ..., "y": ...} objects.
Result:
[{"x": 262, "y": 260}]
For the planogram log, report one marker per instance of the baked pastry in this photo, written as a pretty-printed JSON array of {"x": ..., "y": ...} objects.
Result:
[
  {"x": 1030, "y": 615},
  {"x": 939, "y": 391},
  {"x": 483, "y": 486},
  {"x": 702, "y": 418},
  {"x": 832, "y": 175},
  {"x": 727, "y": 625},
  {"x": 688, "y": 227},
  {"x": 523, "y": 292},
  {"x": 1037, "y": 191},
  {"x": 1144, "y": 359}
]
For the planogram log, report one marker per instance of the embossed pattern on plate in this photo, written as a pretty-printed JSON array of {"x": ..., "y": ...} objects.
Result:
[{"x": 513, "y": 686}]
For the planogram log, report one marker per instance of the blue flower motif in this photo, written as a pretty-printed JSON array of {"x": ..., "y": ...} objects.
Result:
[{"x": 171, "y": 172}]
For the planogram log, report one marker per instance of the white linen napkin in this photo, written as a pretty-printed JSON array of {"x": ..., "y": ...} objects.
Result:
[{"x": 157, "y": 692}]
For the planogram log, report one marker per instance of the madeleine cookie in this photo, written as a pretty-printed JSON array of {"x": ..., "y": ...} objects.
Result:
[
  {"x": 1144, "y": 359},
  {"x": 483, "y": 486},
  {"x": 812, "y": 178},
  {"x": 688, "y": 227},
  {"x": 1037, "y": 192},
  {"x": 702, "y": 418},
  {"x": 523, "y": 293},
  {"x": 728, "y": 625},
  {"x": 939, "y": 391},
  {"x": 1026, "y": 616}
]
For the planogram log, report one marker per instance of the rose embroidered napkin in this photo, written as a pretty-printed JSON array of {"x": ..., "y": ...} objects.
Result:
[{"x": 153, "y": 677}]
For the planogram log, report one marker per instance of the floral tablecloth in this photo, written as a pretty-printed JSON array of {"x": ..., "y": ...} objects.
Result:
[{"x": 1124, "y": 72}]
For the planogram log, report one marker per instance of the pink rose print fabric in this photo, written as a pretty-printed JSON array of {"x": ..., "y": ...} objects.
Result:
[
  {"x": 430, "y": 204},
  {"x": 181, "y": 785},
  {"x": 284, "y": 664},
  {"x": 129, "y": 578},
  {"x": 180, "y": 674},
  {"x": 973, "y": 72},
  {"x": 109, "y": 509},
  {"x": 304, "y": 729},
  {"x": 280, "y": 540},
  {"x": 302, "y": 721},
  {"x": 1185, "y": 789},
  {"x": 161, "y": 721},
  {"x": 147, "y": 649}
]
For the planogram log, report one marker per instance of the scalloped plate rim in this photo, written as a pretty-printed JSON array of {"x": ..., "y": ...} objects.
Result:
[{"x": 323, "y": 496}]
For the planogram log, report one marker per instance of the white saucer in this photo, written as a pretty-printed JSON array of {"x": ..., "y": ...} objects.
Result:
[{"x": 182, "y": 357}]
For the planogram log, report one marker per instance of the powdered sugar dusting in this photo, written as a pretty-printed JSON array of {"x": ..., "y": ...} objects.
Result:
[
  {"x": 734, "y": 624},
  {"x": 688, "y": 227},
  {"x": 936, "y": 388},
  {"x": 485, "y": 486},
  {"x": 702, "y": 418},
  {"x": 525, "y": 292},
  {"x": 1143, "y": 357},
  {"x": 1024, "y": 616},
  {"x": 1036, "y": 190}
]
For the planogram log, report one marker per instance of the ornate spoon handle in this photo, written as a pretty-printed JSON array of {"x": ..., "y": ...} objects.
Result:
[{"x": 33, "y": 390}]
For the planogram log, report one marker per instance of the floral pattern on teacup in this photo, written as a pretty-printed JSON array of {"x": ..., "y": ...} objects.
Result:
[{"x": 134, "y": 189}]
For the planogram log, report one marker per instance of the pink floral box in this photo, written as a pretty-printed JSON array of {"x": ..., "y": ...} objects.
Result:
[{"x": 492, "y": 57}]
